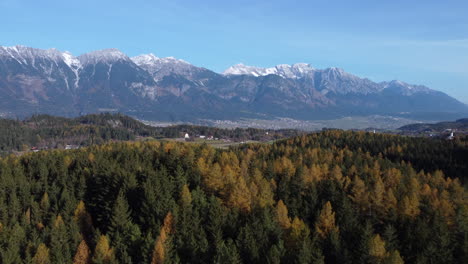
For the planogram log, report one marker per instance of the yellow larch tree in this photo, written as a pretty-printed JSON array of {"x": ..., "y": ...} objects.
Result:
[
  {"x": 159, "y": 251},
  {"x": 103, "y": 253},
  {"x": 336, "y": 174},
  {"x": 392, "y": 178},
  {"x": 213, "y": 178},
  {"x": 185, "y": 196},
  {"x": 409, "y": 205},
  {"x": 326, "y": 221},
  {"x": 359, "y": 192},
  {"x": 377, "y": 248},
  {"x": 83, "y": 255},
  {"x": 282, "y": 215},
  {"x": 239, "y": 195},
  {"x": 261, "y": 191},
  {"x": 377, "y": 194},
  {"x": 42, "y": 255},
  {"x": 298, "y": 232},
  {"x": 390, "y": 202},
  {"x": 394, "y": 258},
  {"x": 83, "y": 218}
]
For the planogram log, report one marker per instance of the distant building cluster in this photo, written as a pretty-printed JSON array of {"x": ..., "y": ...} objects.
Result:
[{"x": 188, "y": 138}]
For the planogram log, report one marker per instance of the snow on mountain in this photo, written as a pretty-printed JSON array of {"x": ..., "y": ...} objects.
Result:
[
  {"x": 160, "y": 67},
  {"x": 70, "y": 60},
  {"x": 331, "y": 79},
  {"x": 151, "y": 59},
  {"x": 105, "y": 55},
  {"x": 52, "y": 63},
  {"x": 74, "y": 64},
  {"x": 405, "y": 88},
  {"x": 154, "y": 64},
  {"x": 109, "y": 79},
  {"x": 29, "y": 56},
  {"x": 295, "y": 71}
]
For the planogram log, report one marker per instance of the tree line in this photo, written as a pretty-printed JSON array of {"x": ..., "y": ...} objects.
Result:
[{"x": 45, "y": 131}]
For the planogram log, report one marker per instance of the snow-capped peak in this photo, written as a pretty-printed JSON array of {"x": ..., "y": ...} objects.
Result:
[
  {"x": 144, "y": 59},
  {"x": 295, "y": 71},
  {"x": 160, "y": 67},
  {"x": 24, "y": 55},
  {"x": 405, "y": 88},
  {"x": 148, "y": 59},
  {"x": 241, "y": 69},
  {"x": 105, "y": 55},
  {"x": 71, "y": 60}
]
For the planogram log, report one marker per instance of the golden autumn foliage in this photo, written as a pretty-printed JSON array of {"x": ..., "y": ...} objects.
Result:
[
  {"x": 103, "y": 253},
  {"x": 83, "y": 254},
  {"x": 377, "y": 247},
  {"x": 230, "y": 208},
  {"x": 326, "y": 221},
  {"x": 40, "y": 226},
  {"x": 226, "y": 179},
  {"x": 168, "y": 223},
  {"x": 45, "y": 202},
  {"x": 58, "y": 221},
  {"x": 42, "y": 255},
  {"x": 409, "y": 206},
  {"x": 83, "y": 218},
  {"x": 298, "y": 232},
  {"x": 359, "y": 192},
  {"x": 213, "y": 177},
  {"x": 392, "y": 178},
  {"x": 185, "y": 196},
  {"x": 239, "y": 195},
  {"x": 284, "y": 166},
  {"x": 261, "y": 191},
  {"x": 159, "y": 251},
  {"x": 394, "y": 258},
  {"x": 390, "y": 202},
  {"x": 27, "y": 216},
  {"x": 67, "y": 160},
  {"x": 91, "y": 157},
  {"x": 378, "y": 193},
  {"x": 337, "y": 174},
  {"x": 282, "y": 215}
]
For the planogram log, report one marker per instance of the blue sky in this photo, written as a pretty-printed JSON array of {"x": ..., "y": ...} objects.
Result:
[{"x": 420, "y": 42}]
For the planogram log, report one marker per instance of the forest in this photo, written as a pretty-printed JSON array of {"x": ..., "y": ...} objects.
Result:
[
  {"x": 50, "y": 132},
  {"x": 328, "y": 197}
]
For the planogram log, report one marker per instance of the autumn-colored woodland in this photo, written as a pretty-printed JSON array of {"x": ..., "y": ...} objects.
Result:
[{"x": 330, "y": 197}]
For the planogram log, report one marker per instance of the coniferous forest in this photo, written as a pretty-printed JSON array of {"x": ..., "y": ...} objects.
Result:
[
  {"x": 50, "y": 132},
  {"x": 329, "y": 197}
]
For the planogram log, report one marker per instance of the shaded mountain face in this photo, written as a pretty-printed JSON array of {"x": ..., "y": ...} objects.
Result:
[
  {"x": 110, "y": 80},
  {"x": 36, "y": 80},
  {"x": 55, "y": 82}
]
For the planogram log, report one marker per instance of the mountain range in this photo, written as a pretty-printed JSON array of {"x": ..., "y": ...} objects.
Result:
[{"x": 148, "y": 87}]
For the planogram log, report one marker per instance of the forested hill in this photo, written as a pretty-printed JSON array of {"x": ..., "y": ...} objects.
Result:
[
  {"x": 331, "y": 197},
  {"x": 46, "y": 132},
  {"x": 460, "y": 125}
]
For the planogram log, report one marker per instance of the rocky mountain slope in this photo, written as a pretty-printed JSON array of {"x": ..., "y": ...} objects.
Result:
[{"x": 55, "y": 82}]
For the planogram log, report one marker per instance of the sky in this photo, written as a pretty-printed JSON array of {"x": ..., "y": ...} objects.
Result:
[{"x": 419, "y": 42}]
